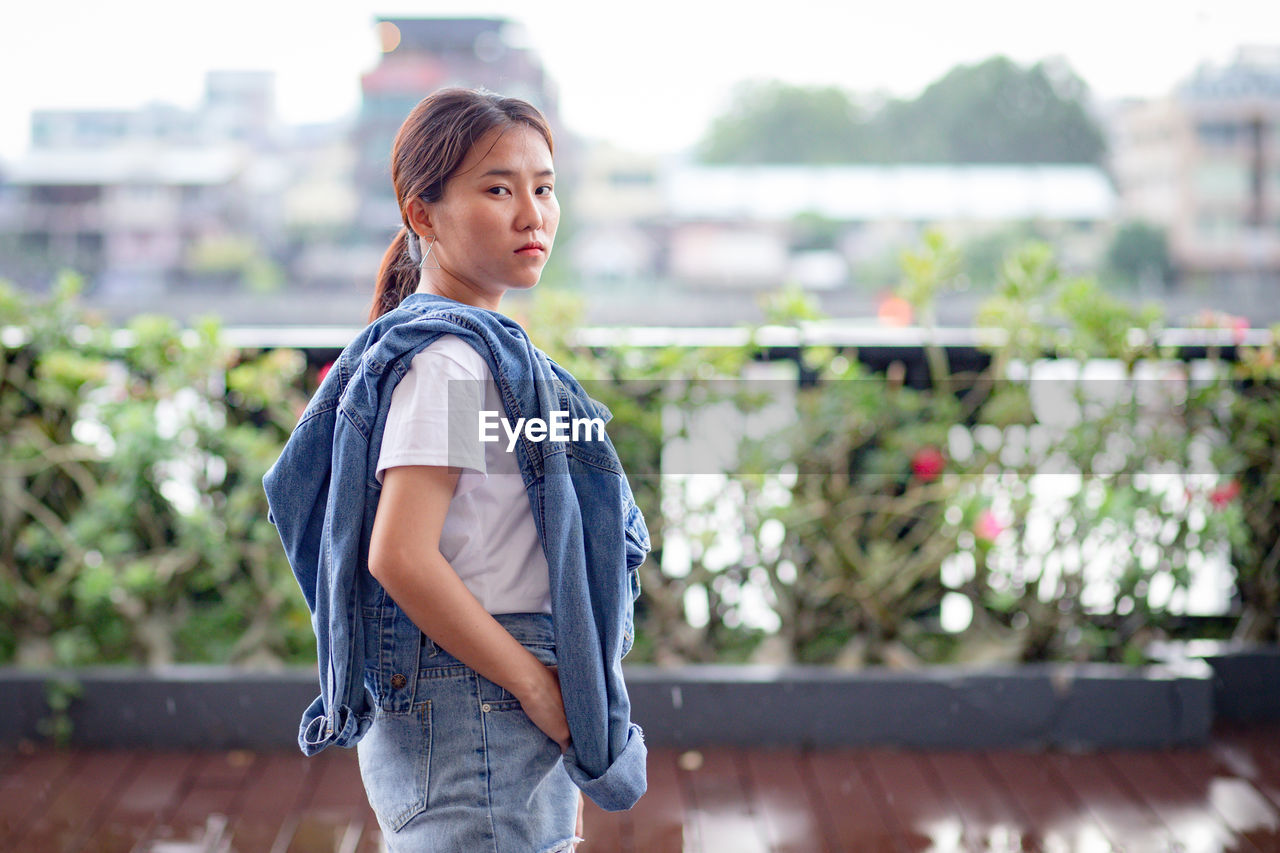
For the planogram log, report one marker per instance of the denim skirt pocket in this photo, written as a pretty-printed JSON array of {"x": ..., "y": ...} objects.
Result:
[
  {"x": 528, "y": 756},
  {"x": 396, "y": 784}
]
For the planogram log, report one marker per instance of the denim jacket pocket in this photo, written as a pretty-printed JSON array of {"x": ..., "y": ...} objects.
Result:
[
  {"x": 637, "y": 536},
  {"x": 629, "y": 616}
]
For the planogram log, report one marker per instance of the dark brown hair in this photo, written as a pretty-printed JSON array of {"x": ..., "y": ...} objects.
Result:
[{"x": 428, "y": 151}]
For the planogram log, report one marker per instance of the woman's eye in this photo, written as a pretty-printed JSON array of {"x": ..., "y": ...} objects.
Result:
[
  {"x": 499, "y": 190},
  {"x": 545, "y": 190}
]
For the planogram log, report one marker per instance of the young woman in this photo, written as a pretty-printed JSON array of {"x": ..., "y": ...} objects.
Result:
[{"x": 472, "y": 595}]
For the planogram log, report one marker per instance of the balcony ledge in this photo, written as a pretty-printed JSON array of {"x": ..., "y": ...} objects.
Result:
[{"x": 1035, "y": 706}]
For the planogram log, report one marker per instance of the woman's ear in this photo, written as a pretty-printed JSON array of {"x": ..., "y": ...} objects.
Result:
[{"x": 419, "y": 216}]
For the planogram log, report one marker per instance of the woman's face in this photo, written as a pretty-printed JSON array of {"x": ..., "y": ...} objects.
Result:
[{"x": 497, "y": 219}]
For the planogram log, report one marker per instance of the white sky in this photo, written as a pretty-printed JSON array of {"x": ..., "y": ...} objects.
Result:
[{"x": 646, "y": 75}]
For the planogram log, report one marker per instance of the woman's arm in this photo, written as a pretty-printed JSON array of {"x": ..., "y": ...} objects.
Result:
[{"x": 404, "y": 556}]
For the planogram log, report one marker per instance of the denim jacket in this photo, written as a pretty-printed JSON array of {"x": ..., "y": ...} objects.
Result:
[{"x": 323, "y": 495}]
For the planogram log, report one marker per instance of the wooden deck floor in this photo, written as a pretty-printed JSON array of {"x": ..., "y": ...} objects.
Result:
[{"x": 1224, "y": 797}]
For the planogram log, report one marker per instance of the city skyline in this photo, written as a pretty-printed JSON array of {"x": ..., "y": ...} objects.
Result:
[{"x": 663, "y": 82}]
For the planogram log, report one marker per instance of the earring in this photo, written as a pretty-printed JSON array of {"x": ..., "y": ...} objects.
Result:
[{"x": 435, "y": 265}]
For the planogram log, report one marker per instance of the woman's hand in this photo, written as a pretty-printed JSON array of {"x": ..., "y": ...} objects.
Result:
[
  {"x": 404, "y": 556},
  {"x": 541, "y": 700}
]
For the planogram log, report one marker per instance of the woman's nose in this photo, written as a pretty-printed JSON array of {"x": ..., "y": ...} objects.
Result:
[{"x": 529, "y": 214}]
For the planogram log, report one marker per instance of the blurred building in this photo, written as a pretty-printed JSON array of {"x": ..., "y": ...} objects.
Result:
[
  {"x": 1204, "y": 163},
  {"x": 173, "y": 205},
  {"x": 318, "y": 208},
  {"x": 760, "y": 226},
  {"x": 238, "y": 106},
  {"x": 619, "y": 207},
  {"x": 141, "y": 202},
  {"x": 125, "y": 218}
]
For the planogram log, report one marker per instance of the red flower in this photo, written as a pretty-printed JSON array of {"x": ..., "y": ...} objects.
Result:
[
  {"x": 928, "y": 463},
  {"x": 894, "y": 311},
  {"x": 323, "y": 372},
  {"x": 1224, "y": 494}
]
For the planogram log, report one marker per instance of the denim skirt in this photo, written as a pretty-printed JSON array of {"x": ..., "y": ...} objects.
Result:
[{"x": 464, "y": 769}]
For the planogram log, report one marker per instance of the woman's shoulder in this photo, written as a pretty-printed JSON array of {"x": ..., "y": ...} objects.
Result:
[{"x": 452, "y": 352}]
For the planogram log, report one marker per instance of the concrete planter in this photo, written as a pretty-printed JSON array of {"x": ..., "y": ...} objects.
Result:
[
  {"x": 1035, "y": 706},
  {"x": 185, "y": 707},
  {"x": 1246, "y": 683}
]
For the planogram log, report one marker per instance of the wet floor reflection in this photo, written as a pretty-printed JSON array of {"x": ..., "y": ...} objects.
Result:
[
  {"x": 1219, "y": 799},
  {"x": 1231, "y": 815}
]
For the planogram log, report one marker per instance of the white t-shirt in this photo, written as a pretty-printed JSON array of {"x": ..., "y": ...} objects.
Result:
[{"x": 489, "y": 536}]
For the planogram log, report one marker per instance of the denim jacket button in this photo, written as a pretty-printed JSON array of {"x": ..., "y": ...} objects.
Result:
[
  {"x": 485, "y": 707},
  {"x": 398, "y": 681}
]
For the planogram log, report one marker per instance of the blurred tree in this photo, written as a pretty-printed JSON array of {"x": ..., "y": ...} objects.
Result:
[
  {"x": 811, "y": 230},
  {"x": 983, "y": 255},
  {"x": 133, "y": 525},
  {"x": 235, "y": 259},
  {"x": 994, "y": 112},
  {"x": 773, "y": 122},
  {"x": 1139, "y": 251}
]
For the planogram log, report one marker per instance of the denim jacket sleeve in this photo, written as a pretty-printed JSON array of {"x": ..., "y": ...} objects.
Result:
[
  {"x": 595, "y": 540},
  {"x": 304, "y": 489}
]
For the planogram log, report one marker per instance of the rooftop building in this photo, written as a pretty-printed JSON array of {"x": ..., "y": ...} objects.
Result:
[
  {"x": 1204, "y": 163},
  {"x": 238, "y": 106},
  {"x": 758, "y": 226},
  {"x": 141, "y": 201},
  {"x": 912, "y": 193}
]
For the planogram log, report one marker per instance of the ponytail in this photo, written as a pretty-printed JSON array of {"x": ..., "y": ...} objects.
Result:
[{"x": 397, "y": 277}]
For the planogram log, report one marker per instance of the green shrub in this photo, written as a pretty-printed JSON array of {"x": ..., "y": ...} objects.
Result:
[
  {"x": 857, "y": 514},
  {"x": 134, "y": 524}
]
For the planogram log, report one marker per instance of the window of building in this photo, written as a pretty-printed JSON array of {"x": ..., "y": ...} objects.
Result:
[
  {"x": 89, "y": 246},
  {"x": 35, "y": 242},
  {"x": 1222, "y": 180},
  {"x": 1220, "y": 133},
  {"x": 1219, "y": 227},
  {"x": 65, "y": 194}
]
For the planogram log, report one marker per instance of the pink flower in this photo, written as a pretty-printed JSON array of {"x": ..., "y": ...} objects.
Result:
[
  {"x": 928, "y": 463},
  {"x": 1224, "y": 494},
  {"x": 1239, "y": 326},
  {"x": 987, "y": 527},
  {"x": 323, "y": 372}
]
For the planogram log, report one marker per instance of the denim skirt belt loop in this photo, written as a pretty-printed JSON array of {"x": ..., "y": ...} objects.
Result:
[{"x": 463, "y": 768}]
